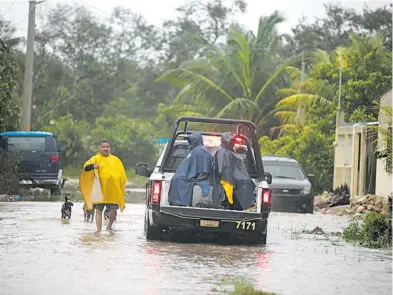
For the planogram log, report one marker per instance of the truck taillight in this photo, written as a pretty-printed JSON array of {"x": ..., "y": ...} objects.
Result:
[
  {"x": 266, "y": 196},
  {"x": 55, "y": 159},
  {"x": 156, "y": 192}
]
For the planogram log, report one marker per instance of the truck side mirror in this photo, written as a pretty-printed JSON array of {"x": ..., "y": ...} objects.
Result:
[
  {"x": 268, "y": 177},
  {"x": 142, "y": 170}
]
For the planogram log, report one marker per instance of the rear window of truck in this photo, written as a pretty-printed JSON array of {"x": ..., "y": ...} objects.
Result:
[{"x": 181, "y": 151}]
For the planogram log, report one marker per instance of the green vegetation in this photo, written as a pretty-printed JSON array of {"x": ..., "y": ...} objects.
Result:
[
  {"x": 9, "y": 181},
  {"x": 9, "y": 108},
  {"x": 238, "y": 286},
  {"x": 374, "y": 232},
  {"x": 383, "y": 139},
  {"x": 134, "y": 79}
]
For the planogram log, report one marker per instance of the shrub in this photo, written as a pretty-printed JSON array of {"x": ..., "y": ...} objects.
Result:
[
  {"x": 374, "y": 232},
  {"x": 9, "y": 179}
]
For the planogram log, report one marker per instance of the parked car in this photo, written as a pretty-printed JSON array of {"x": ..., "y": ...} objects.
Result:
[
  {"x": 38, "y": 154},
  {"x": 291, "y": 188},
  {"x": 251, "y": 226}
]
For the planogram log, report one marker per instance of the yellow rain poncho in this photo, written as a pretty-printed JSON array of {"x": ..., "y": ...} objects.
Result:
[
  {"x": 228, "y": 188},
  {"x": 112, "y": 179}
]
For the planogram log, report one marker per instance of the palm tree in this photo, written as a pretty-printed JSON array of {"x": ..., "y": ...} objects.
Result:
[
  {"x": 382, "y": 136},
  {"x": 239, "y": 79},
  {"x": 306, "y": 92}
]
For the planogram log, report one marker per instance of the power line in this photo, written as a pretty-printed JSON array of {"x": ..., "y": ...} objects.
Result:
[
  {"x": 30, "y": 10},
  {"x": 8, "y": 9}
]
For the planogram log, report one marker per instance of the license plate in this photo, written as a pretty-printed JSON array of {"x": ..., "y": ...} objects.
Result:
[{"x": 209, "y": 223}]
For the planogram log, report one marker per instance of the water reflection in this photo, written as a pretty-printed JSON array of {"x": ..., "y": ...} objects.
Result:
[{"x": 152, "y": 270}]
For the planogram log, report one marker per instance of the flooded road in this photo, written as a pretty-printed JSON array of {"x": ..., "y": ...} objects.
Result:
[{"x": 41, "y": 254}]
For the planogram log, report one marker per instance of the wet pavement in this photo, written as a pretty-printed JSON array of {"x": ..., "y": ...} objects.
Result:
[{"x": 41, "y": 254}]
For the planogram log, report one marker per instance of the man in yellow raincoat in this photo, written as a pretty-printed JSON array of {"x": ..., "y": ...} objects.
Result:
[{"x": 102, "y": 184}]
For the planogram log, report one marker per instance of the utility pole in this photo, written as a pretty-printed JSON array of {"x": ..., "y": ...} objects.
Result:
[
  {"x": 28, "y": 78},
  {"x": 340, "y": 113},
  {"x": 301, "y": 109},
  {"x": 340, "y": 80}
]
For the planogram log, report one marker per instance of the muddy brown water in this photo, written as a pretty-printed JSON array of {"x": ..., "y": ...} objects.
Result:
[{"x": 41, "y": 254}]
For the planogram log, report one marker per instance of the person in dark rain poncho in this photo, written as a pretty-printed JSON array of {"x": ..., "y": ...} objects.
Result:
[
  {"x": 194, "y": 169},
  {"x": 231, "y": 181}
]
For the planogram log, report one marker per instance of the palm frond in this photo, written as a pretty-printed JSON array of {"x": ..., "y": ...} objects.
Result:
[
  {"x": 241, "y": 103},
  {"x": 181, "y": 110},
  {"x": 240, "y": 42},
  {"x": 320, "y": 56},
  {"x": 286, "y": 117},
  {"x": 185, "y": 90},
  {"x": 275, "y": 75},
  {"x": 287, "y": 92},
  {"x": 381, "y": 137},
  {"x": 227, "y": 62},
  {"x": 175, "y": 75},
  {"x": 295, "y": 100},
  {"x": 295, "y": 74},
  {"x": 267, "y": 27}
]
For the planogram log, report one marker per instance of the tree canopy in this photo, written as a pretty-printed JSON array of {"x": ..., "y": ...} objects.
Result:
[{"x": 125, "y": 80}]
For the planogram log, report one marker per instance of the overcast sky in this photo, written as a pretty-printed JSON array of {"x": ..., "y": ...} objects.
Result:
[{"x": 157, "y": 11}]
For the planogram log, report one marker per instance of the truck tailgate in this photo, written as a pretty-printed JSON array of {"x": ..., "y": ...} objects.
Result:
[{"x": 204, "y": 213}]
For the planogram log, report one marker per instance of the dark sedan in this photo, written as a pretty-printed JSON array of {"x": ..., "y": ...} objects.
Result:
[{"x": 291, "y": 188}]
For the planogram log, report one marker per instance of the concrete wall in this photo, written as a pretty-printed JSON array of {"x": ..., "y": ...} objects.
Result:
[
  {"x": 350, "y": 158},
  {"x": 342, "y": 156},
  {"x": 384, "y": 180}
]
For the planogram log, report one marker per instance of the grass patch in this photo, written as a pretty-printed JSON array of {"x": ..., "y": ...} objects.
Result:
[
  {"x": 238, "y": 286},
  {"x": 374, "y": 232}
]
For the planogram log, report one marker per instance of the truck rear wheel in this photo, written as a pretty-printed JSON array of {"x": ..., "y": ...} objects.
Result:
[{"x": 152, "y": 232}]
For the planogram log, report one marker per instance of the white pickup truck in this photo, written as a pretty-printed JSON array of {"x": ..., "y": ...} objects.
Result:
[{"x": 248, "y": 225}]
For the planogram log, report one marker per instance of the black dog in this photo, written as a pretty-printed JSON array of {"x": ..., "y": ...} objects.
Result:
[
  {"x": 66, "y": 209},
  {"x": 88, "y": 214}
]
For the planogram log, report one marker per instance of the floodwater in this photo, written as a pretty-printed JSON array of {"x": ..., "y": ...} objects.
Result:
[{"x": 41, "y": 254}]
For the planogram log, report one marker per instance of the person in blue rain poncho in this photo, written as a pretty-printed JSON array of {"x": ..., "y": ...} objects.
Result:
[
  {"x": 231, "y": 181},
  {"x": 193, "y": 170}
]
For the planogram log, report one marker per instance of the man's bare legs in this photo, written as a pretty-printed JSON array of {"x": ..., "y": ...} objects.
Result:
[
  {"x": 112, "y": 218},
  {"x": 99, "y": 219}
]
